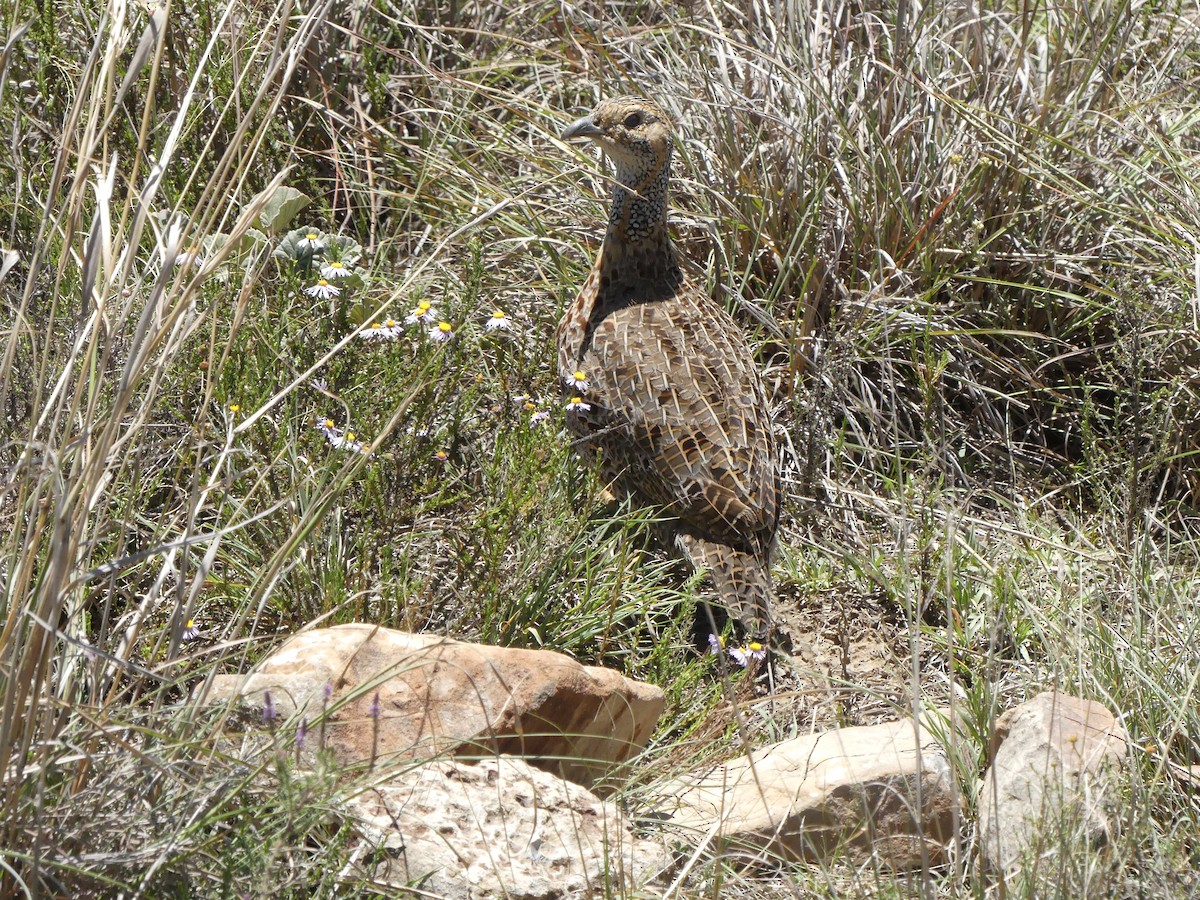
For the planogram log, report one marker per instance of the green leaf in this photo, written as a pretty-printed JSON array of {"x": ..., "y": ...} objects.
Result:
[
  {"x": 295, "y": 244},
  {"x": 280, "y": 208}
]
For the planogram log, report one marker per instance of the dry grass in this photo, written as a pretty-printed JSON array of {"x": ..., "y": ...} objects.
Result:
[{"x": 963, "y": 238}]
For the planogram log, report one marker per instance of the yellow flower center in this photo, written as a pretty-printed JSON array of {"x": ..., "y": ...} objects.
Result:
[
  {"x": 755, "y": 647},
  {"x": 445, "y": 327}
]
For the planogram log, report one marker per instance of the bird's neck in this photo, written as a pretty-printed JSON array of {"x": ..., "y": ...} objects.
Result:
[{"x": 637, "y": 249}]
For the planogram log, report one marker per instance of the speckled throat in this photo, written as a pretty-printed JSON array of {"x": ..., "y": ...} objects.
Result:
[{"x": 638, "y": 262}]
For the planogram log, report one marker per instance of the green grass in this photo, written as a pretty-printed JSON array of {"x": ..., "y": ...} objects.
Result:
[{"x": 961, "y": 239}]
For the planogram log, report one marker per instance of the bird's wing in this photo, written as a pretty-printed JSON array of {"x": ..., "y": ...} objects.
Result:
[{"x": 681, "y": 416}]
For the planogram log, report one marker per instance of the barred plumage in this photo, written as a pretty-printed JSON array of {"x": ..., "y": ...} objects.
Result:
[{"x": 677, "y": 413}]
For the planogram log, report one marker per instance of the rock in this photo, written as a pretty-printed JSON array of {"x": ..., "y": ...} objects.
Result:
[
  {"x": 437, "y": 696},
  {"x": 1054, "y": 762},
  {"x": 850, "y": 791},
  {"x": 499, "y": 828}
]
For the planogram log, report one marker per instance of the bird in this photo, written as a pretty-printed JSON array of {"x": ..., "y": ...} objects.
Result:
[{"x": 666, "y": 394}]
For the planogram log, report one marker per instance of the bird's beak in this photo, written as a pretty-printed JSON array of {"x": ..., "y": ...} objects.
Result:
[{"x": 584, "y": 127}]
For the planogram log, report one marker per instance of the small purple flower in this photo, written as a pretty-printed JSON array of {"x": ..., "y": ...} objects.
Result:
[
  {"x": 326, "y": 696},
  {"x": 269, "y": 712},
  {"x": 374, "y": 709},
  {"x": 301, "y": 733}
]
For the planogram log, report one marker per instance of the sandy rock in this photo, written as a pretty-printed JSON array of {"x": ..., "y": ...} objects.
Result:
[
  {"x": 499, "y": 828},
  {"x": 437, "y": 695},
  {"x": 847, "y": 792},
  {"x": 1054, "y": 766}
]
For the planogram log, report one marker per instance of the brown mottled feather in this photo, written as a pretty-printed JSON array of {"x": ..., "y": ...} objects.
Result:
[{"x": 678, "y": 416}]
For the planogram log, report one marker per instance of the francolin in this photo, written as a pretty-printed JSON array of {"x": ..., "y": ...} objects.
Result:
[{"x": 671, "y": 402}]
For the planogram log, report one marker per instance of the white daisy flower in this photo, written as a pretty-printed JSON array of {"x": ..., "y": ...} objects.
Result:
[
  {"x": 312, "y": 242},
  {"x": 376, "y": 331},
  {"x": 187, "y": 258},
  {"x": 499, "y": 321},
  {"x": 422, "y": 314},
  {"x": 334, "y": 269},
  {"x": 322, "y": 290},
  {"x": 443, "y": 331},
  {"x": 743, "y": 656},
  {"x": 347, "y": 441}
]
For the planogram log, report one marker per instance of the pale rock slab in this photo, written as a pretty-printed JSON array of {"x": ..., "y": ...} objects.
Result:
[
  {"x": 1055, "y": 761},
  {"x": 500, "y": 828},
  {"x": 883, "y": 790},
  {"x": 438, "y": 696}
]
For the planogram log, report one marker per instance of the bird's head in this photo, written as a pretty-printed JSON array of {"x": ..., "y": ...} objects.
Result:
[{"x": 633, "y": 132}]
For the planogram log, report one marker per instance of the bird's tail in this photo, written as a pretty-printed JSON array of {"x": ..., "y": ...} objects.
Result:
[{"x": 742, "y": 580}]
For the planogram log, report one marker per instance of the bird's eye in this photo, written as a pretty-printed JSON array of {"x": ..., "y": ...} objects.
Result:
[{"x": 633, "y": 120}]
